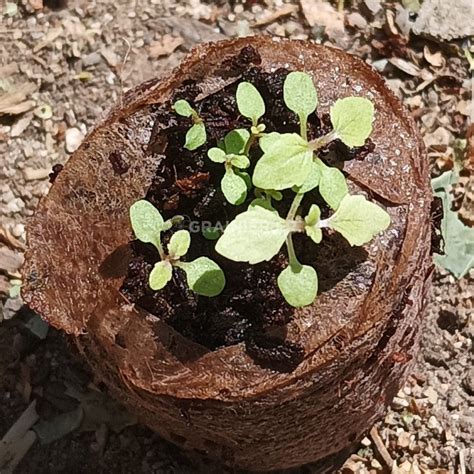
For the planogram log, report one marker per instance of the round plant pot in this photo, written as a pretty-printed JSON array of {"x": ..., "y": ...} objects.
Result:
[{"x": 359, "y": 337}]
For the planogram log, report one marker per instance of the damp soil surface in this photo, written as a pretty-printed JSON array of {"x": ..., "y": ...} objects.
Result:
[{"x": 251, "y": 308}]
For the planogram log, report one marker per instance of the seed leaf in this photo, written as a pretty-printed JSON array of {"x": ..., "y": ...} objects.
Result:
[
  {"x": 352, "y": 119},
  {"x": 239, "y": 161},
  {"x": 234, "y": 188},
  {"x": 216, "y": 155},
  {"x": 160, "y": 275},
  {"x": 332, "y": 185},
  {"x": 267, "y": 140},
  {"x": 147, "y": 222},
  {"x": 235, "y": 141},
  {"x": 286, "y": 163},
  {"x": 179, "y": 243},
  {"x": 299, "y": 285},
  {"x": 182, "y": 107},
  {"x": 195, "y": 136},
  {"x": 299, "y": 94},
  {"x": 358, "y": 220},
  {"x": 313, "y": 216},
  {"x": 204, "y": 276},
  {"x": 253, "y": 236},
  {"x": 250, "y": 102},
  {"x": 311, "y": 181}
]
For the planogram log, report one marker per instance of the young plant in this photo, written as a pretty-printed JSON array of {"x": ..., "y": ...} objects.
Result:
[
  {"x": 289, "y": 160},
  {"x": 203, "y": 276},
  {"x": 235, "y": 181},
  {"x": 196, "y": 135}
]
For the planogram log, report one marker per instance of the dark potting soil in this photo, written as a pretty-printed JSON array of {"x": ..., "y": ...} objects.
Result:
[{"x": 251, "y": 308}]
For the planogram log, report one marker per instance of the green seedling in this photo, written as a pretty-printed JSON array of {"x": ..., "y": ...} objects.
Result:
[
  {"x": 235, "y": 182},
  {"x": 289, "y": 161},
  {"x": 203, "y": 275},
  {"x": 196, "y": 135}
]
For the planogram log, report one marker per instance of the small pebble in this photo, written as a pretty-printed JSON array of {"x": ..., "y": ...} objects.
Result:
[{"x": 73, "y": 138}]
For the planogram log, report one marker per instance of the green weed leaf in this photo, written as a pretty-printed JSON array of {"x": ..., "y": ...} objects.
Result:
[
  {"x": 234, "y": 188},
  {"x": 254, "y": 236},
  {"x": 250, "y": 102},
  {"x": 204, "y": 276},
  {"x": 299, "y": 94},
  {"x": 262, "y": 202},
  {"x": 216, "y": 155},
  {"x": 179, "y": 243},
  {"x": 235, "y": 141},
  {"x": 195, "y": 136},
  {"x": 313, "y": 216},
  {"x": 160, "y": 275},
  {"x": 246, "y": 177},
  {"x": 286, "y": 163},
  {"x": 358, "y": 220},
  {"x": 147, "y": 222},
  {"x": 458, "y": 238},
  {"x": 311, "y": 228},
  {"x": 332, "y": 185},
  {"x": 298, "y": 285},
  {"x": 352, "y": 119},
  {"x": 182, "y": 107},
  {"x": 211, "y": 233}
]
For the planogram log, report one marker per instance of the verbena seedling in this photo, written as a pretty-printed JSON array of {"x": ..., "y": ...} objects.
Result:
[
  {"x": 196, "y": 135},
  {"x": 203, "y": 275},
  {"x": 289, "y": 160},
  {"x": 234, "y": 182}
]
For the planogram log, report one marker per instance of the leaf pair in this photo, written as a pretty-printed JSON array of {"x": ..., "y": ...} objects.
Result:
[
  {"x": 234, "y": 184},
  {"x": 196, "y": 136},
  {"x": 203, "y": 275}
]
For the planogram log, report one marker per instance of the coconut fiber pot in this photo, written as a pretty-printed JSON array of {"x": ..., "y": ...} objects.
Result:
[{"x": 359, "y": 337}]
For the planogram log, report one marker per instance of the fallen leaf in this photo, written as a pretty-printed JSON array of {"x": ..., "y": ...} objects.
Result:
[
  {"x": 59, "y": 426},
  {"x": 14, "y": 102},
  {"x": 435, "y": 59},
  {"x": 271, "y": 17},
  {"x": 322, "y": 13},
  {"x": 405, "y": 66},
  {"x": 165, "y": 46}
]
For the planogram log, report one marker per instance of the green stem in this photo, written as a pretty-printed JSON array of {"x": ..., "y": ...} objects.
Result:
[
  {"x": 249, "y": 144},
  {"x": 162, "y": 253},
  {"x": 294, "y": 206},
  {"x": 303, "y": 127},
  {"x": 292, "y": 258},
  {"x": 322, "y": 141}
]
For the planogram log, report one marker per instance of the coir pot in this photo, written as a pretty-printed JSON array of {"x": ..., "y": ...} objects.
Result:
[{"x": 359, "y": 337}]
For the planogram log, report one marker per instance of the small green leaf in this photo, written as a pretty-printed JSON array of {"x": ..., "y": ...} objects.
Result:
[
  {"x": 160, "y": 275},
  {"x": 211, "y": 233},
  {"x": 250, "y": 102},
  {"x": 311, "y": 181},
  {"x": 235, "y": 141},
  {"x": 204, "y": 276},
  {"x": 216, "y": 155},
  {"x": 313, "y": 216},
  {"x": 253, "y": 236},
  {"x": 267, "y": 140},
  {"x": 299, "y": 94},
  {"x": 147, "y": 222},
  {"x": 246, "y": 177},
  {"x": 182, "y": 107},
  {"x": 298, "y": 285},
  {"x": 286, "y": 163},
  {"x": 239, "y": 161},
  {"x": 358, "y": 220},
  {"x": 195, "y": 136},
  {"x": 352, "y": 119},
  {"x": 179, "y": 243},
  {"x": 277, "y": 195},
  {"x": 262, "y": 202},
  {"x": 332, "y": 185},
  {"x": 314, "y": 233},
  {"x": 234, "y": 188}
]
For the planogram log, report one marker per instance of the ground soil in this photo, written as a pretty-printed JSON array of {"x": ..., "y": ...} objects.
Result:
[{"x": 73, "y": 58}]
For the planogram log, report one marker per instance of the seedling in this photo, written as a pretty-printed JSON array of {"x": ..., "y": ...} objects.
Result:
[
  {"x": 289, "y": 160},
  {"x": 203, "y": 275},
  {"x": 196, "y": 135},
  {"x": 234, "y": 182}
]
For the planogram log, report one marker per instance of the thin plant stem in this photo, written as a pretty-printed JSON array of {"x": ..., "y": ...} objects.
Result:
[
  {"x": 294, "y": 206},
  {"x": 293, "y": 259},
  {"x": 303, "y": 127},
  {"x": 249, "y": 144}
]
